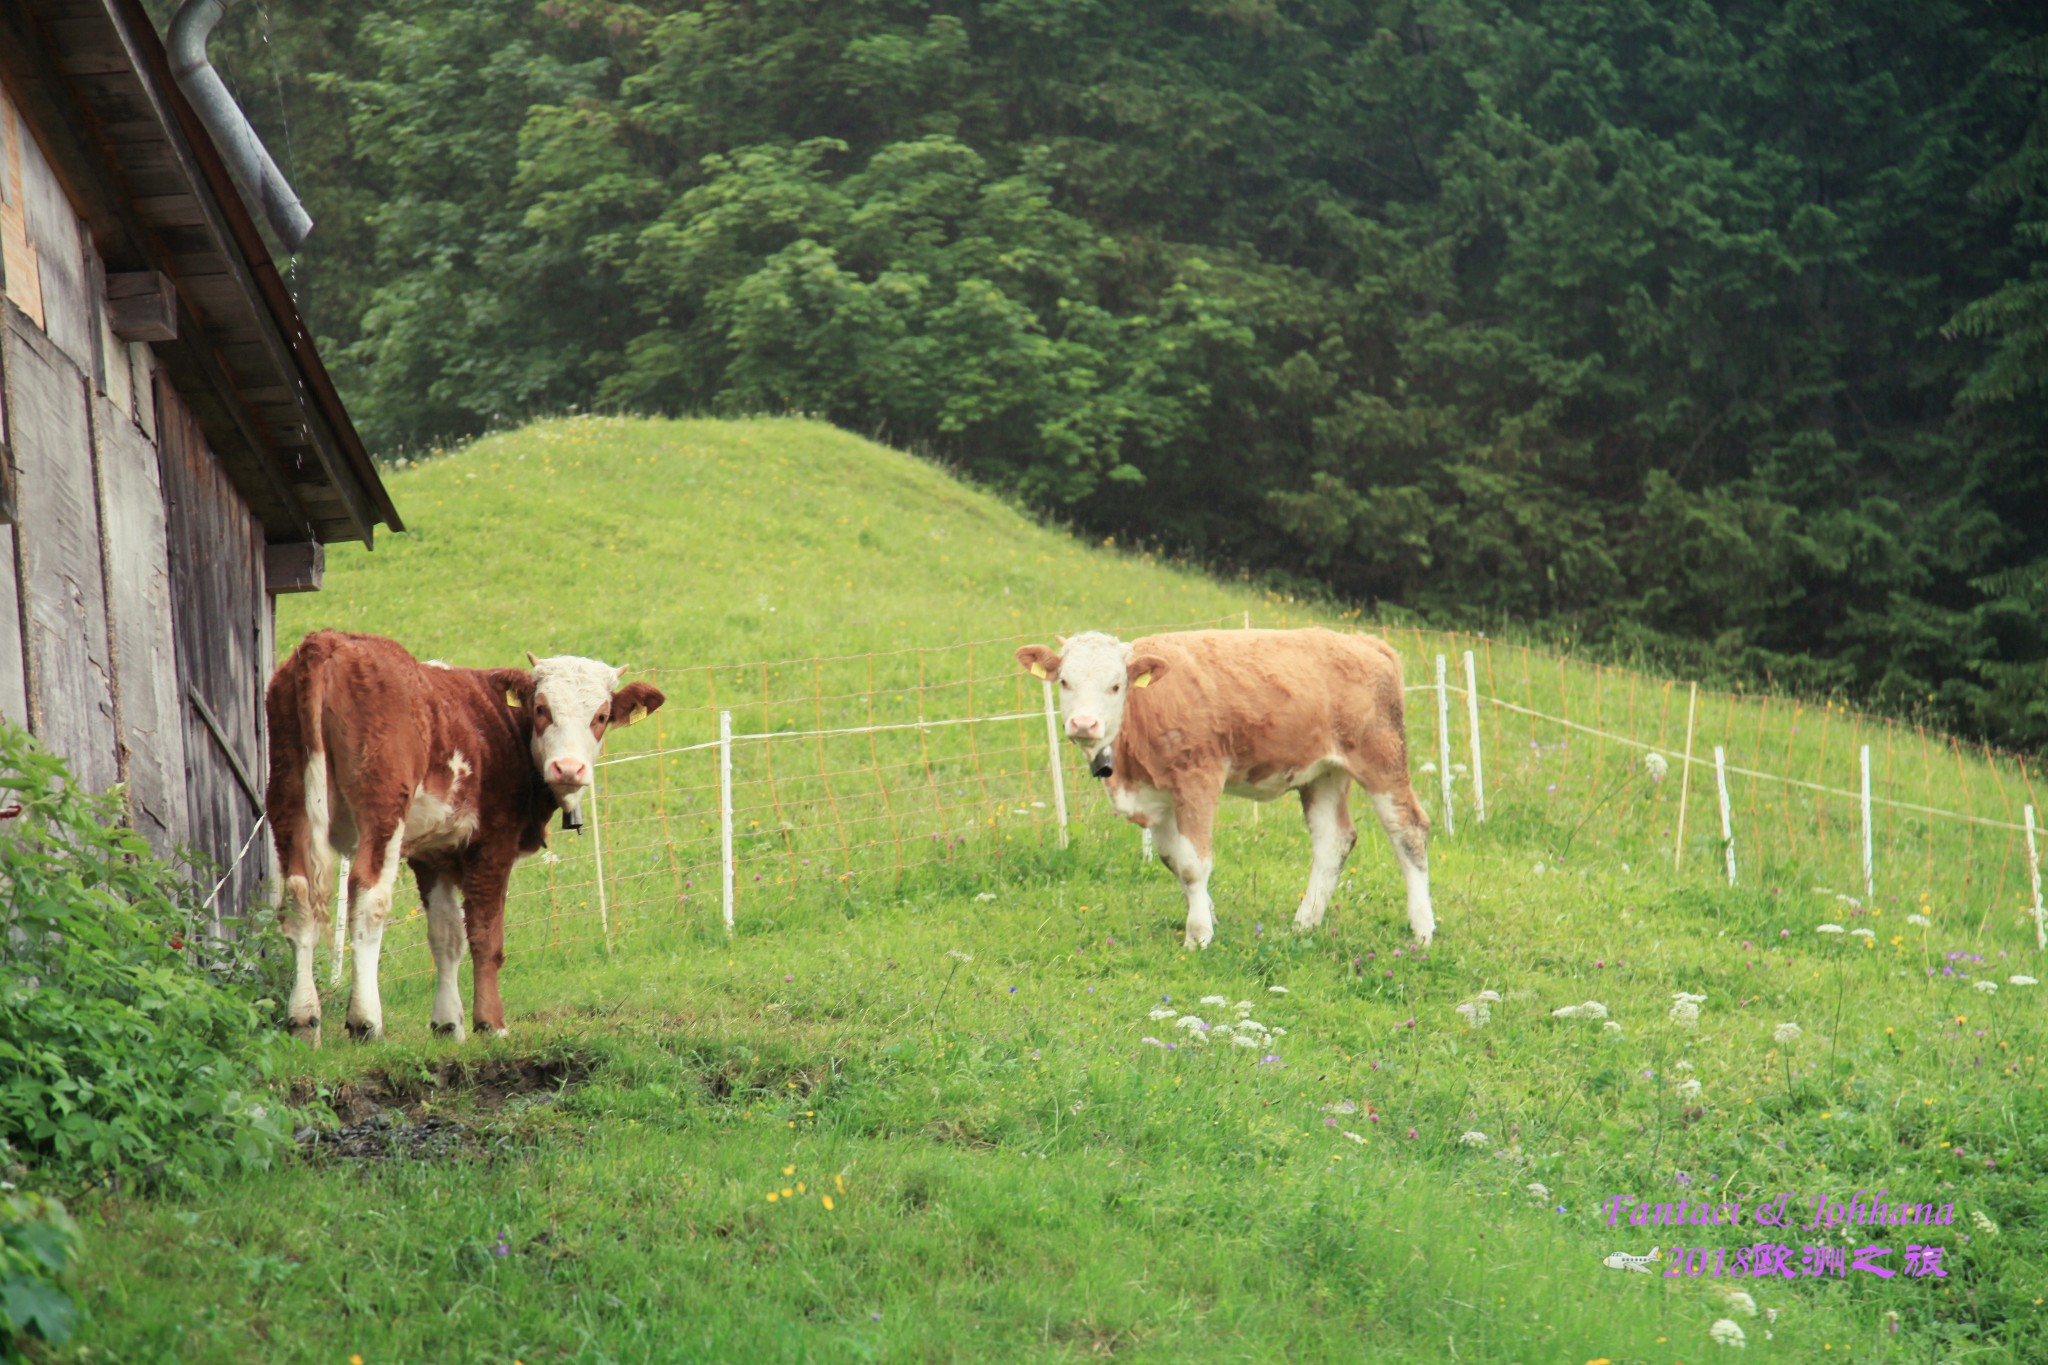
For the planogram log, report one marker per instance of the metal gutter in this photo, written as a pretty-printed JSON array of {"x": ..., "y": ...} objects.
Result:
[{"x": 244, "y": 152}]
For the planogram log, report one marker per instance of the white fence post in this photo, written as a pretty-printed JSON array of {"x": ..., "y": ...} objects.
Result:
[
  {"x": 1443, "y": 740},
  {"x": 1869, "y": 866},
  {"x": 1472, "y": 720},
  {"x": 2034, "y": 872},
  {"x": 1685, "y": 779},
  {"x": 1059, "y": 776},
  {"x": 1727, "y": 823},
  {"x": 725, "y": 811},
  {"x": 604, "y": 911}
]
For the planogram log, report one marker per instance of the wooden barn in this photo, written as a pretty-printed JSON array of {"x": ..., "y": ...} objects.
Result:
[{"x": 172, "y": 452}]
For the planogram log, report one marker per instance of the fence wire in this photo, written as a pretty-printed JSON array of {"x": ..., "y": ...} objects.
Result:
[{"x": 863, "y": 773}]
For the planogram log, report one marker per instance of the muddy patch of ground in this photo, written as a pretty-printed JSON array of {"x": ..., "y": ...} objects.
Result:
[{"x": 414, "y": 1114}]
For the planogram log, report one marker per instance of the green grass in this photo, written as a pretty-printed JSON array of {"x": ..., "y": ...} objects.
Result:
[{"x": 946, "y": 1035}]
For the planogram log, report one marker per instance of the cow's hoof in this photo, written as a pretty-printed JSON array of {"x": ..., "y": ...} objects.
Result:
[
  {"x": 451, "y": 1030},
  {"x": 306, "y": 1031},
  {"x": 484, "y": 1030},
  {"x": 1195, "y": 942},
  {"x": 364, "y": 1032}
]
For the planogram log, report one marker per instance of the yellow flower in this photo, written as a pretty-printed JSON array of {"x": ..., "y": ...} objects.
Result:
[
  {"x": 840, "y": 1181},
  {"x": 788, "y": 1193},
  {"x": 773, "y": 1196},
  {"x": 789, "y": 1170},
  {"x": 355, "y": 1360},
  {"x": 827, "y": 1199},
  {"x": 799, "y": 1187}
]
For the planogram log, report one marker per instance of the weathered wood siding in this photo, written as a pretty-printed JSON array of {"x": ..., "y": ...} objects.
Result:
[
  {"x": 223, "y": 634},
  {"x": 145, "y": 645},
  {"x": 62, "y": 593}
]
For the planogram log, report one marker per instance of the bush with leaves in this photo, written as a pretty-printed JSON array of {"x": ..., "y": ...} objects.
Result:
[
  {"x": 117, "y": 1054},
  {"x": 37, "y": 1242}
]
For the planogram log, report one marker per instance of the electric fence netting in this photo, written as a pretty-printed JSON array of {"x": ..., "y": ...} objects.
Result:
[{"x": 760, "y": 782}]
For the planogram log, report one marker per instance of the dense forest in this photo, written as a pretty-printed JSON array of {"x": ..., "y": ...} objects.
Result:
[{"x": 1715, "y": 333}]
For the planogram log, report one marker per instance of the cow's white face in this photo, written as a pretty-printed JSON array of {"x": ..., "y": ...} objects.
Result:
[
  {"x": 575, "y": 701},
  {"x": 1096, "y": 674}
]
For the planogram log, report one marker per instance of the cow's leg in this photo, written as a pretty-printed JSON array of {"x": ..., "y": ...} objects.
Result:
[
  {"x": 445, "y": 939},
  {"x": 483, "y": 910},
  {"x": 299, "y": 820},
  {"x": 1407, "y": 827},
  {"x": 1183, "y": 840},
  {"x": 372, "y": 878},
  {"x": 1326, "y": 806}
]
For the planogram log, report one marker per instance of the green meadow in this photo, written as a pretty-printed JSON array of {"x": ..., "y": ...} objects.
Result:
[{"x": 937, "y": 1098}]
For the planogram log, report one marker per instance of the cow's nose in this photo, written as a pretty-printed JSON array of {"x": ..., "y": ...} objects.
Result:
[
  {"x": 1083, "y": 727},
  {"x": 569, "y": 772}
]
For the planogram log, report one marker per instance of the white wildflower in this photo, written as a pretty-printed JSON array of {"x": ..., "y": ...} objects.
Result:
[
  {"x": 1163, "y": 1012},
  {"x": 1985, "y": 986},
  {"x": 986, "y": 896},
  {"x": 1355, "y": 1137},
  {"x": 1983, "y": 1224},
  {"x": 1829, "y": 929},
  {"x": 1540, "y": 1190},
  {"x": 1341, "y": 1107},
  {"x": 1191, "y": 1022},
  {"x": 549, "y": 857},
  {"x": 959, "y": 956},
  {"x": 1611, "y": 1026},
  {"x": 1920, "y": 920},
  {"x": 1475, "y": 1013},
  {"x": 1688, "y": 1090},
  {"x": 1726, "y": 1332},
  {"x": 1278, "y": 990},
  {"x": 1279, "y": 1033},
  {"x": 1864, "y": 933},
  {"x": 1681, "y": 1065},
  {"x": 1848, "y": 899},
  {"x": 1474, "y": 1139},
  {"x": 1243, "y": 1007},
  {"x": 1784, "y": 1033},
  {"x": 1492, "y": 997},
  {"x": 1658, "y": 765},
  {"x": 1252, "y": 1026},
  {"x": 1538, "y": 869},
  {"x": 1245, "y": 1040},
  {"x": 2021, "y": 981},
  {"x": 1429, "y": 767},
  {"x": 1685, "y": 1012},
  {"x": 1215, "y": 999},
  {"x": 1592, "y": 1009},
  {"x": 1153, "y": 1041},
  {"x": 1739, "y": 1301}
]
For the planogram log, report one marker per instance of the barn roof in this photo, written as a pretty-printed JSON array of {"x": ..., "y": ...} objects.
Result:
[{"x": 94, "y": 81}]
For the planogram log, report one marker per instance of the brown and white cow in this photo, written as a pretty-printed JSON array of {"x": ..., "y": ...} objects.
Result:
[
  {"x": 1172, "y": 722},
  {"x": 378, "y": 757}
]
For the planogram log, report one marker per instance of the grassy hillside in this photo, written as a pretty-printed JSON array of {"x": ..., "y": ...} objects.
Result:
[{"x": 943, "y": 1024}]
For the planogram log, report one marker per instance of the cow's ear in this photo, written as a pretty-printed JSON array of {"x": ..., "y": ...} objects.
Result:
[
  {"x": 513, "y": 686},
  {"x": 1039, "y": 661},
  {"x": 1146, "y": 669},
  {"x": 634, "y": 702}
]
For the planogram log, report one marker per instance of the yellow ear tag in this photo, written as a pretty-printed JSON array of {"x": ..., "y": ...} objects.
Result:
[
  {"x": 639, "y": 714},
  {"x": 1038, "y": 671},
  {"x": 1142, "y": 680},
  {"x": 512, "y": 698}
]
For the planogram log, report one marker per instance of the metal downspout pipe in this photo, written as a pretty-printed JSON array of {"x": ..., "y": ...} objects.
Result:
[{"x": 243, "y": 151}]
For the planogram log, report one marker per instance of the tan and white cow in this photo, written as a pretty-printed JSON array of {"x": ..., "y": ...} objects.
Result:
[
  {"x": 378, "y": 757},
  {"x": 1173, "y": 722}
]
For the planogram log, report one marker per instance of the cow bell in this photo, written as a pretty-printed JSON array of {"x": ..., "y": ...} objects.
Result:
[
  {"x": 572, "y": 821},
  {"x": 1104, "y": 762}
]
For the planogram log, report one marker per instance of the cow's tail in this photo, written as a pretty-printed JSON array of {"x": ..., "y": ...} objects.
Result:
[{"x": 299, "y": 801}]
